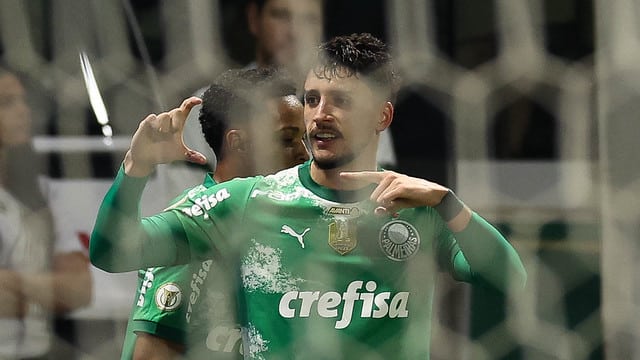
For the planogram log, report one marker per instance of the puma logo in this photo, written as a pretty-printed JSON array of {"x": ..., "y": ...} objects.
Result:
[{"x": 288, "y": 230}]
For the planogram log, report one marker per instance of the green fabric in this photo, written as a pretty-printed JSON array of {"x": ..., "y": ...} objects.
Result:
[
  {"x": 200, "y": 311},
  {"x": 494, "y": 261},
  {"x": 147, "y": 316},
  {"x": 121, "y": 241},
  {"x": 321, "y": 278}
]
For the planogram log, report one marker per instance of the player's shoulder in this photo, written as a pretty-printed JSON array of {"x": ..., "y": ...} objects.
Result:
[
  {"x": 219, "y": 191},
  {"x": 240, "y": 188},
  {"x": 280, "y": 179},
  {"x": 283, "y": 178}
]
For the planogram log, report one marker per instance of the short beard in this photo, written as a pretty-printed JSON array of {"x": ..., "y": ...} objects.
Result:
[{"x": 334, "y": 163}]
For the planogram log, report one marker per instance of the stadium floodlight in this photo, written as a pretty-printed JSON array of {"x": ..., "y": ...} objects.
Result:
[{"x": 95, "y": 98}]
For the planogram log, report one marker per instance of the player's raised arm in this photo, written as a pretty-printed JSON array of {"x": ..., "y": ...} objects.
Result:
[
  {"x": 489, "y": 255},
  {"x": 119, "y": 234}
]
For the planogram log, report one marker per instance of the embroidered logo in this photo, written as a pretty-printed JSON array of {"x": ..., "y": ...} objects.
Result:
[
  {"x": 399, "y": 240},
  {"x": 288, "y": 230},
  {"x": 352, "y": 211},
  {"x": 342, "y": 236},
  {"x": 168, "y": 297}
]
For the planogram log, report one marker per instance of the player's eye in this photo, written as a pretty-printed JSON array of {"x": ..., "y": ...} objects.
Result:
[
  {"x": 311, "y": 100},
  {"x": 341, "y": 101}
]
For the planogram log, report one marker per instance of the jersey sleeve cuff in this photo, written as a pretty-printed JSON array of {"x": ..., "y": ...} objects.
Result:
[{"x": 449, "y": 206}]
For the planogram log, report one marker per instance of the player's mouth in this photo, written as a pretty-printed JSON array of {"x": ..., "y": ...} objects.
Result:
[{"x": 324, "y": 137}]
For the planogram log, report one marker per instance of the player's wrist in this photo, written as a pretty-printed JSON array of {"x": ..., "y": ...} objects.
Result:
[
  {"x": 136, "y": 168},
  {"x": 450, "y": 206}
]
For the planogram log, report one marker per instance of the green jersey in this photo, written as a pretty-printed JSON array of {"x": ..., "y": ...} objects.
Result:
[
  {"x": 320, "y": 275},
  {"x": 158, "y": 307},
  {"x": 166, "y": 301}
]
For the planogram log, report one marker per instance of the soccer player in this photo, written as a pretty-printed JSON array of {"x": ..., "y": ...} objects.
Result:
[
  {"x": 245, "y": 113},
  {"x": 336, "y": 258}
]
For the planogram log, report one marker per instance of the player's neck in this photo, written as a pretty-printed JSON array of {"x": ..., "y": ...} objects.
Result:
[
  {"x": 331, "y": 179},
  {"x": 226, "y": 170}
]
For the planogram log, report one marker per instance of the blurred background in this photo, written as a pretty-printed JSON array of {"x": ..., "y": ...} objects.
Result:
[{"x": 525, "y": 108}]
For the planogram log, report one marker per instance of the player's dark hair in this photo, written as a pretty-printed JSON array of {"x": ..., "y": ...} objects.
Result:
[
  {"x": 361, "y": 55},
  {"x": 259, "y": 3},
  {"x": 231, "y": 99}
]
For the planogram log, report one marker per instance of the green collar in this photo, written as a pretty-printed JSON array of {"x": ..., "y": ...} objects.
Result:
[
  {"x": 342, "y": 196},
  {"x": 208, "y": 180}
]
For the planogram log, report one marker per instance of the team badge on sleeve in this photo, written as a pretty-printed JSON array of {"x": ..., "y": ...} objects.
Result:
[
  {"x": 399, "y": 240},
  {"x": 168, "y": 297}
]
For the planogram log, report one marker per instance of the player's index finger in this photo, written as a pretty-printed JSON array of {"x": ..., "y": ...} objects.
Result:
[
  {"x": 189, "y": 103},
  {"x": 370, "y": 176}
]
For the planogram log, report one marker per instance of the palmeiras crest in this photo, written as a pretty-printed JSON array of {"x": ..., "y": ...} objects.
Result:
[
  {"x": 342, "y": 235},
  {"x": 399, "y": 240}
]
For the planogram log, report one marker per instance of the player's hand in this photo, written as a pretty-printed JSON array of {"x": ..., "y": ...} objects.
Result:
[
  {"x": 158, "y": 140},
  {"x": 397, "y": 191}
]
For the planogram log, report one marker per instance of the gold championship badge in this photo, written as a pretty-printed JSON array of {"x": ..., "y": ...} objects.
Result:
[{"x": 342, "y": 236}]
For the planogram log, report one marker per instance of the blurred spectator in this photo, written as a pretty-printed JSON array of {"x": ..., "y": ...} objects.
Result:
[
  {"x": 285, "y": 31},
  {"x": 40, "y": 276}
]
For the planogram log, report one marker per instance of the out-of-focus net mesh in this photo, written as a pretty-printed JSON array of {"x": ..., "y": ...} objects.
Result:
[{"x": 537, "y": 139}]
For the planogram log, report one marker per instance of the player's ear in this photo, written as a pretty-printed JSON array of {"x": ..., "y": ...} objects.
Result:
[
  {"x": 237, "y": 140},
  {"x": 253, "y": 17},
  {"x": 386, "y": 117}
]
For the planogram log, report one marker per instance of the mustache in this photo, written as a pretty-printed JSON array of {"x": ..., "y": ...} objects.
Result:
[{"x": 323, "y": 128}]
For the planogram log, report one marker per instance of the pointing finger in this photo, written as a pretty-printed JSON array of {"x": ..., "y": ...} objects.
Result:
[
  {"x": 179, "y": 115},
  {"x": 189, "y": 103},
  {"x": 366, "y": 176},
  {"x": 382, "y": 188}
]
